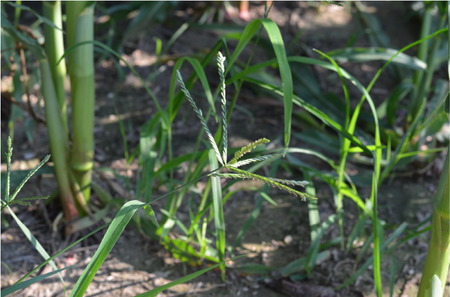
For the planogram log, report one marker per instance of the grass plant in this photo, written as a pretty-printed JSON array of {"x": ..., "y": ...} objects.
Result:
[
  {"x": 347, "y": 131},
  {"x": 115, "y": 229},
  {"x": 375, "y": 143}
]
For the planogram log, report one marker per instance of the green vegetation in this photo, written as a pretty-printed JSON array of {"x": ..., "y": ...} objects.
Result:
[{"x": 349, "y": 133}]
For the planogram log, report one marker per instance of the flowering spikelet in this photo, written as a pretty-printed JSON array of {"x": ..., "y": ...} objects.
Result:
[
  {"x": 234, "y": 163},
  {"x": 253, "y": 160},
  {"x": 271, "y": 182},
  {"x": 302, "y": 183},
  {"x": 200, "y": 116},
  {"x": 230, "y": 175},
  {"x": 220, "y": 64},
  {"x": 248, "y": 148}
]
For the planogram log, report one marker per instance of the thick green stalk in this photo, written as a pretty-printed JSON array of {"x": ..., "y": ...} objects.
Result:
[
  {"x": 54, "y": 48},
  {"x": 438, "y": 257},
  {"x": 80, "y": 28},
  {"x": 57, "y": 139}
]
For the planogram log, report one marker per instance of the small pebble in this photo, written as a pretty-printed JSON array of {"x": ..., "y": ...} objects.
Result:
[{"x": 288, "y": 239}]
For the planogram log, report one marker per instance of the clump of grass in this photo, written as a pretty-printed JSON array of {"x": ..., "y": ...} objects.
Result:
[{"x": 235, "y": 163}]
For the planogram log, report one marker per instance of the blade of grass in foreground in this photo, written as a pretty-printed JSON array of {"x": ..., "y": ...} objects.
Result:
[
  {"x": 24, "y": 284},
  {"x": 59, "y": 253},
  {"x": 36, "y": 244},
  {"x": 109, "y": 240}
]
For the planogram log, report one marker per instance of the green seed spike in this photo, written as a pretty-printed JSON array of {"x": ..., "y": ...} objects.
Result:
[
  {"x": 302, "y": 183},
  {"x": 22, "y": 203},
  {"x": 268, "y": 181},
  {"x": 248, "y": 148},
  {"x": 200, "y": 116},
  {"x": 29, "y": 175},
  {"x": 229, "y": 175},
  {"x": 30, "y": 198},
  {"x": 253, "y": 160},
  {"x": 220, "y": 64}
]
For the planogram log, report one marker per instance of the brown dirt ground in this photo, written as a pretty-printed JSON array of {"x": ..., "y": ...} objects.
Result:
[{"x": 137, "y": 264}]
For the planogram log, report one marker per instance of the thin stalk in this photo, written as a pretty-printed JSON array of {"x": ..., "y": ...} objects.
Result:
[
  {"x": 426, "y": 80},
  {"x": 80, "y": 28},
  {"x": 423, "y": 47},
  {"x": 313, "y": 209},
  {"x": 17, "y": 11},
  {"x": 438, "y": 257},
  {"x": 57, "y": 139},
  {"x": 54, "y": 48},
  {"x": 205, "y": 196}
]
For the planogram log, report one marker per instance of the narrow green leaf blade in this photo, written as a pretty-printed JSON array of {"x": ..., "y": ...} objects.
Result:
[
  {"x": 36, "y": 244},
  {"x": 311, "y": 258},
  {"x": 369, "y": 261},
  {"x": 280, "y": 52},
  {"x": 151, "y": 214},
  {"x": 24, "y": 284},
  {"x": 355, "y": 54},
  {"x": 109, "y": 240},
  {"x": 156, "y": 291},
  {"x": 299, "y": 264},
  {"x": 267, "y": 197}
]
